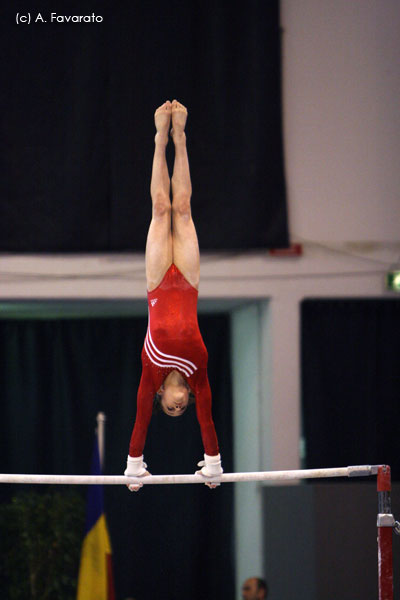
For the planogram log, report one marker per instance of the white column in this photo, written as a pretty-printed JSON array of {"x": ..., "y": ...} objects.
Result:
[
  {"x": 284, "y": 427},
  {"x": 266, "y": 413},
  {"x": 246, "y": 436}
]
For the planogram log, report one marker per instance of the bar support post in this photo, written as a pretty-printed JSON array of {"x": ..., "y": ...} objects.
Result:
[{"x": 385, "y": 524}]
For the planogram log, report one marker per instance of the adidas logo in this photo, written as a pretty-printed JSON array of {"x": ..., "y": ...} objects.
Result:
[{"x": 153, "y": 302}]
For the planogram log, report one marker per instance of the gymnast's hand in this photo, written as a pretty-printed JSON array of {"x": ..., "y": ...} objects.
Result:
[
  {"x": 212, "y": 486},
  {"x": 135, "y": 467},
  {"x": 135, "y": 487},
  {"x": 210, "y": 467}
]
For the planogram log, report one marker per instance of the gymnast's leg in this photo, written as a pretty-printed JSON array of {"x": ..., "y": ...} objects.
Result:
[
  {"x": 159, "y": 238},
  {"x": 184, "y": 238}
]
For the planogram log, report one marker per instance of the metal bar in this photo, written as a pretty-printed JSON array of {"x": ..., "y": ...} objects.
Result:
[
  {"x": 356, "y": 471},
  {"x": 101, "y": 430},
  {"x": 385, "y": 525}
]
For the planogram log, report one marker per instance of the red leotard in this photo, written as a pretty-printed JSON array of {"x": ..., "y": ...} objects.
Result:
[{"x": 173, "y": 342}]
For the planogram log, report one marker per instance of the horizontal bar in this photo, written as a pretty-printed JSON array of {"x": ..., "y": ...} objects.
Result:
[{"x": 358, "y": 471}]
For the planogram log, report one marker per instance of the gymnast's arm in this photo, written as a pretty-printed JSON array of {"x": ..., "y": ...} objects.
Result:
[
  {"x": 211, "y": 466},
  {"x": 135, "y": 465}
]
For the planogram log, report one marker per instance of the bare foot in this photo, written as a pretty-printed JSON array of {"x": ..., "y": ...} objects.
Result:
[
  {"x": 162, "y": 120},
  {"x": 179, "y": 116}
]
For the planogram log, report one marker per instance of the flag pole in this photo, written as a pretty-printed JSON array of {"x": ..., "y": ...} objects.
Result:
[
  {"x": 100, "y": 431},
  {"x": 95, "y": 572}
]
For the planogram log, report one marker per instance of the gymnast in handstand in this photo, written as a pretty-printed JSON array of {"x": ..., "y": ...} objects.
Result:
[{"x": 174, "y": 357}]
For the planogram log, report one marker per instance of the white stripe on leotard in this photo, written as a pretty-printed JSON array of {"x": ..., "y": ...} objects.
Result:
[
  {"x": 164, "y": 363},
  {"x": 166, "y": 360}
]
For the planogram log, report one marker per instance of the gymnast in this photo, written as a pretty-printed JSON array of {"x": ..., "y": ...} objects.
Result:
[{"x": 174, "y": 357}]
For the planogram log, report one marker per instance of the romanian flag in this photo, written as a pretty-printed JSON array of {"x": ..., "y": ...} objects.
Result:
[{"x": 95, "y": 572}]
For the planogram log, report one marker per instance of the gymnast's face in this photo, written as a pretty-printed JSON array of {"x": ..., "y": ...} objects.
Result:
[
  {"x": 251, "y": 591},
  {"x": 174, "y": 398}
]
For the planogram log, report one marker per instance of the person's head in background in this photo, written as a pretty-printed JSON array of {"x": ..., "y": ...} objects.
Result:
[{"x": 254, "y": 588}]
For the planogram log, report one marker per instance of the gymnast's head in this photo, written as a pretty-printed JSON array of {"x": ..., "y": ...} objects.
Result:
[
  {"x": 254, "y": 588},
  {"x": 174, "y": 396}
]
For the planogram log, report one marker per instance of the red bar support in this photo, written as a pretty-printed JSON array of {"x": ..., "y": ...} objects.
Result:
[{"x": 385, "y": 533}]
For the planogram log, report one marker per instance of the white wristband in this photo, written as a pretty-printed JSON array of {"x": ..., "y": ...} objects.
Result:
[
  {"x": 135, "y": 467},
  {"x": 211, "y": 466}
]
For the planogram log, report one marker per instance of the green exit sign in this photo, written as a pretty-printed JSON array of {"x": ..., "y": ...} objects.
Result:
[{"x": 393, "y": 281}]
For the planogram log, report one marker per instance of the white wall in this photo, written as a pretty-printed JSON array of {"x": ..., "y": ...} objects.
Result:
[{"x": 341, "y": 90}]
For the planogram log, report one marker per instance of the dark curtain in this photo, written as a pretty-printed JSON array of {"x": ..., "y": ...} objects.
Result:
[
  {"x": 76, "y": 124},
  {"x": 350, "y": 382},
  {"x": 171, "y": 542}
]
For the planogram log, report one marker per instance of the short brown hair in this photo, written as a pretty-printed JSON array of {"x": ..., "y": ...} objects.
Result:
[{"x": 262, "y": 585}]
